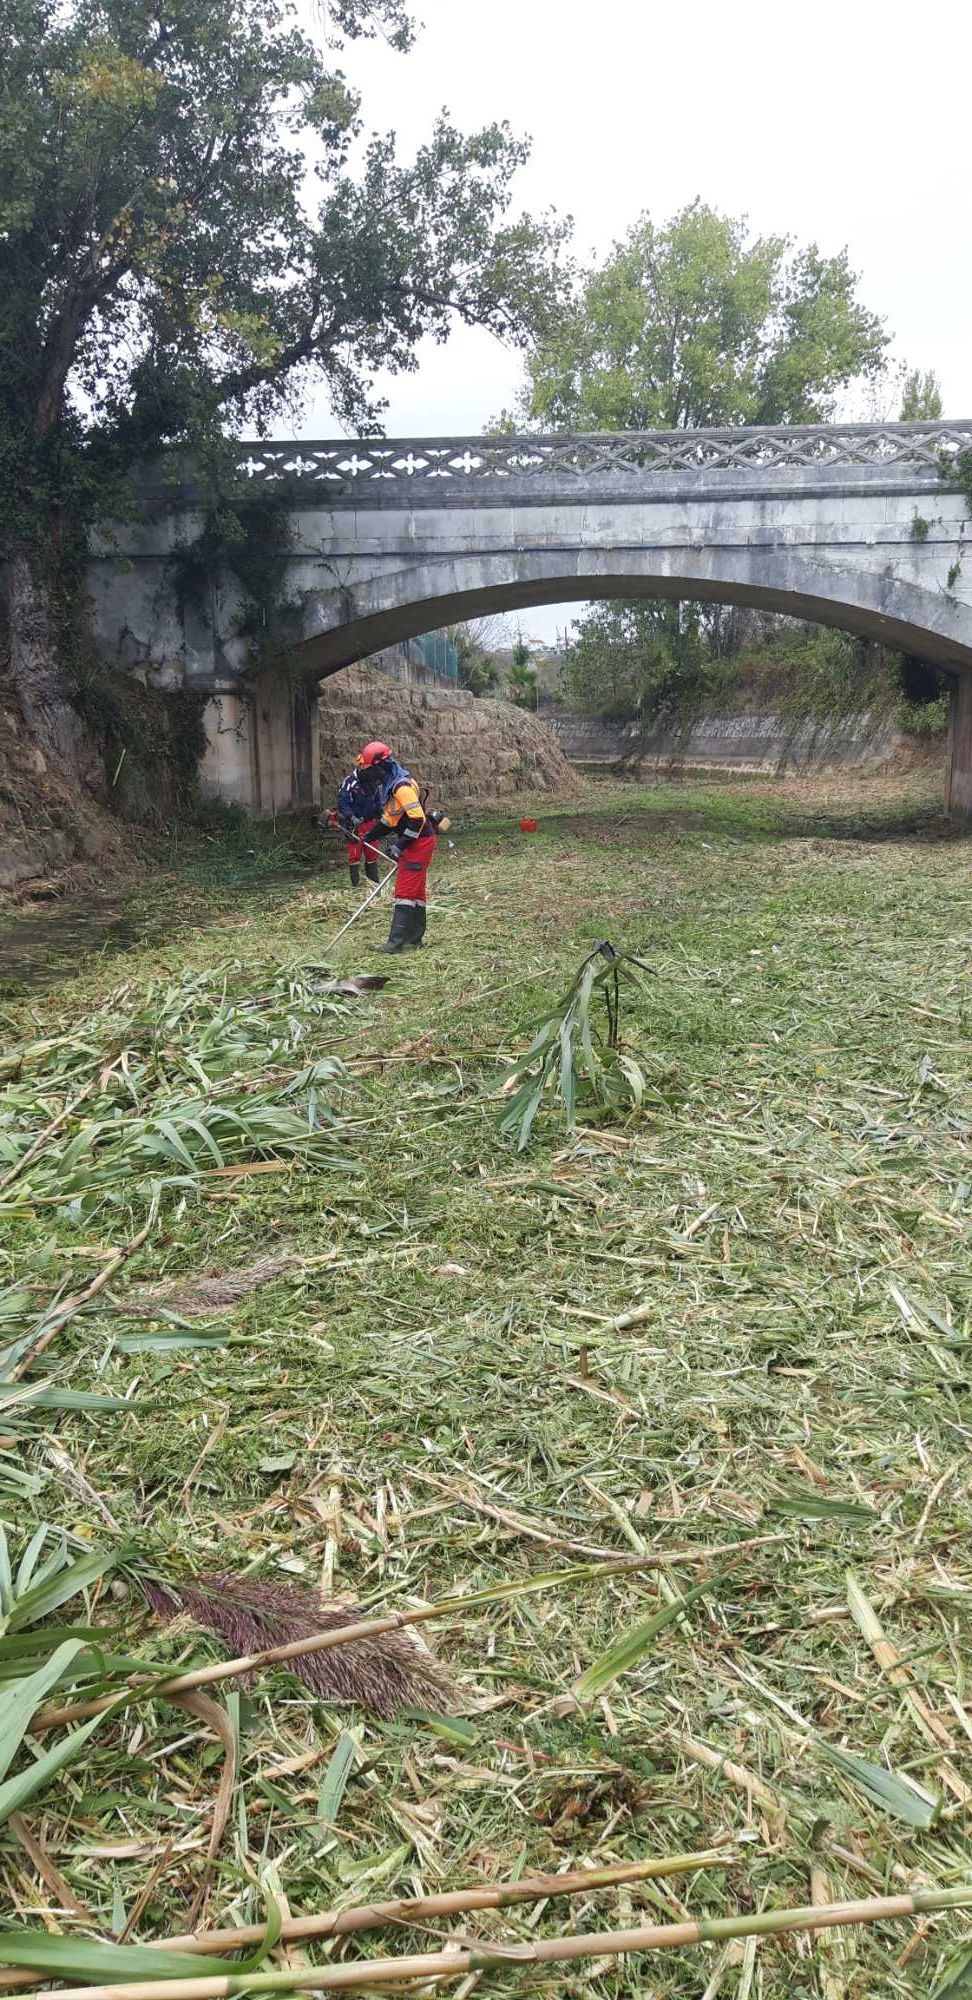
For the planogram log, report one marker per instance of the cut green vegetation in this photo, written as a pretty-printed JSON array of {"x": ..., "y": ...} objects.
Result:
[{"x": 671, "y": 1406}]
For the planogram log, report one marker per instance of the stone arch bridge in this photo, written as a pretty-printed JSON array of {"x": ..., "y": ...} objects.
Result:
[{"x": 859, "y": 526}]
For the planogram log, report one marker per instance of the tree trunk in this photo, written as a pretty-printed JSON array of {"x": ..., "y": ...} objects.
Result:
[{"x": 48, "y": 716}]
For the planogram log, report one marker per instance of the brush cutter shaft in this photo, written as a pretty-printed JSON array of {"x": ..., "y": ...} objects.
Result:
[{"x": 359, "y": 912}]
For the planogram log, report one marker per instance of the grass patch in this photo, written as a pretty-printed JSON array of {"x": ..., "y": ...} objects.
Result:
[{"x": 729, "y": 1334}]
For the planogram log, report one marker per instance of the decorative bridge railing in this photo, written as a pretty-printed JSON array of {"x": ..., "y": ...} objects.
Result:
[{"x": 372, "y": 465}]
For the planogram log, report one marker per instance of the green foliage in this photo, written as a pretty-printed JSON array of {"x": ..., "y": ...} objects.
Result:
[
  {"x": 662, "y": 665},
  {"x": 211, "y": 1081},
  {"x": 629, "y": 1651},
  {"x": 44, "y": 1580},
  {"x": 955, "y": 1982},
  {"x": 20, "y": 1400},
  {"x": 812, "y": 673},
  {"x": 898, "y": 1795},
  {"x": 921, "y": 397},
  {"x": 151, "y": 740},
  {"x": 925, "y": 720},
  {"x": 805, "y": 1506},
  {"x": 642, "y": 661},
  {"x": 920, "y": 528},
  {"x": 691, "y": 322},
  {"x": 477, "y": 669},
  {"x": 36, "y": 1657},
  {"x": 478, "y": 675},
  {"x": 521, "y": 680},
  {"x": 960, "y": 468},
  {"x": 95, "y": 1961},
  {"x": 169, "y": 263},
  {"x": 921, "y": 702},
  {"x": 570, "y": 1058},
  {"x": 247, "y": 534},
  {"x": 696, "y": 322},
  {"x": 822, "y": 675}
]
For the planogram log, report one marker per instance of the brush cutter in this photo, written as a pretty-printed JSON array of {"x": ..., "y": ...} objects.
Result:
[{"x": 441, "y": 822}]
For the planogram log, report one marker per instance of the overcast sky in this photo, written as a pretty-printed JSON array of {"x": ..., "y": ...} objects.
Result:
[{"x": 846, "y": 123}]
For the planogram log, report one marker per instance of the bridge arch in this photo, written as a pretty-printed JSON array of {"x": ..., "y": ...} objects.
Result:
[{"x": 343, "y": 625}]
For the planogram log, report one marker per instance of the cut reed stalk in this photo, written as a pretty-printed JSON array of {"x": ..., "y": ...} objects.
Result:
[
  {"x": 58, "y": 1319},
  {"x": 37, "y": 1145},
  {"x": 425, "y": 1909},
  {"x": 542, "y": 1951},
  {"x": 318, "y": 1642}
]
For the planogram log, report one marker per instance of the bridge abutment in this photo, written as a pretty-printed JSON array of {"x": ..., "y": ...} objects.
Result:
[
  {"x": 262, "y": 746},
  {"x": 958, "y": 765}
]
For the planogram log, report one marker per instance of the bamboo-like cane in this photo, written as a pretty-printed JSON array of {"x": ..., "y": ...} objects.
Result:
[
  {"x": 426, "y": 1909},
  {"x": 60, "y": 1315},
  {"x": 48, "y": 1133},
  {"x": 542, "y": 1951},
  {"x": 320, "y": 1642}
]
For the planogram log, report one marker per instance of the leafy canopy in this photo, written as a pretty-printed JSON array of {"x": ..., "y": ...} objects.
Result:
[
  {"x": 474, "y": 644},
  {"x": 921, "y": 397},
  {"x": 691, "y": 322},
  {"x": 192, "y": 223},
  {"x": 642, "y": 661},
  {"x": 521, "y": 678},
  {"x": 697, "y": 322}
]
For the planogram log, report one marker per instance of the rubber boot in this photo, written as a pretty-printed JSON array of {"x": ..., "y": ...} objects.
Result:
[
  {"x": 355, "y": 873},
  {"x": 400, "y": 934},
  {"x": 418, "y": 926},
  {"x": 371, "y": 870}
]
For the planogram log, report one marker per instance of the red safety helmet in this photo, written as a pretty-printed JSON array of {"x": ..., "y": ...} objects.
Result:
[{"x": 373, "y": 753}]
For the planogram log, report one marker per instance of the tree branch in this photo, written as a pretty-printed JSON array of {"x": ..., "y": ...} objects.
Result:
[
  {"x": 228, "y": 388},
  {"x": 61, "y": 345}
]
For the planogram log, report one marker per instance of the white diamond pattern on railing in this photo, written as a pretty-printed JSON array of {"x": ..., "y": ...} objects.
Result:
[{"x": 345, "y": 465}]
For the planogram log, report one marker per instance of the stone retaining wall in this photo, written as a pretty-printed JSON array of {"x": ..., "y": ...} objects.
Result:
[{"x": 470, "y": 752}]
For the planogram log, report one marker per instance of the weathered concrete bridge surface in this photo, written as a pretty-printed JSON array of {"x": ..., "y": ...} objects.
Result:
[{"x": 858, "y": 526}]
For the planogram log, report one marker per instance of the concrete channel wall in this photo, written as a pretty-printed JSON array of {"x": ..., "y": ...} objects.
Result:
[{"x": 757, "y": 744}]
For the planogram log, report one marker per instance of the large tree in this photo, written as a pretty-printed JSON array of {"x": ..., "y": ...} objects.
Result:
[
  {"x": 191, "y": 227},
  {"x": 694, "y": 321},
  {"x": 645, "y": 661}
]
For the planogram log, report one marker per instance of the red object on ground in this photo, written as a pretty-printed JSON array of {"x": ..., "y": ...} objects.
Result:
[
  {"x": 528, "y": 826},
  {"x": 413, "y": 868}
]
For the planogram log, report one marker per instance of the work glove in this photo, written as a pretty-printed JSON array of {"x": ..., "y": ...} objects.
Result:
[{"x": 395, "y": 850}]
